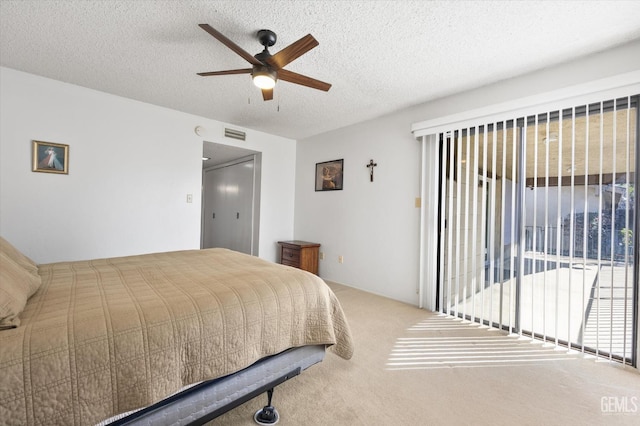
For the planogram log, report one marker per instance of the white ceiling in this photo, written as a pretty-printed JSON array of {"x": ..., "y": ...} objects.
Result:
[{"x": 380, "y": 56}]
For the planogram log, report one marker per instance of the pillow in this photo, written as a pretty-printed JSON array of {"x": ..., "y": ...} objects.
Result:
[
  {"x": 16, "y": 285},
  {"x": 15, "y": 254}
]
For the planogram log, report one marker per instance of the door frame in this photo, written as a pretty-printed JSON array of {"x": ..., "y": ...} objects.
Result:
[{"x": 255, "y": 205}]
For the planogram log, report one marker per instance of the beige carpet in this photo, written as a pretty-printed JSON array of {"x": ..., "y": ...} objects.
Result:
[{"x": 413, "y": 367}]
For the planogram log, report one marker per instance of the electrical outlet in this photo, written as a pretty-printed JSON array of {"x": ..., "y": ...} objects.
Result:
[
  {"x": 321, "y": 255},
  {"x": 340, "y": 259}
]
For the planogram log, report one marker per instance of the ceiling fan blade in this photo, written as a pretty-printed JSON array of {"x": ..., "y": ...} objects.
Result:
[
  {"x": 231, "y": 45},
  {"x": 292, "y": 52},
  {"x": 227, "y": 72},
  {"x": 296, "y": 78},
  {"x": 267, "y": 94}
]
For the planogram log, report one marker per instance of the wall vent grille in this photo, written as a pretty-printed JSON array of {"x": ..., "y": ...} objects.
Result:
[{"x": 235, "y": 134}]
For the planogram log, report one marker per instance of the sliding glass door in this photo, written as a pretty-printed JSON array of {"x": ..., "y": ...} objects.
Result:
[{"x": 537, "y": 226}]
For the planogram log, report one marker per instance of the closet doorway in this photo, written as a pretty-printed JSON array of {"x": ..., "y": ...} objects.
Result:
[{"x": 230, "y": 198}]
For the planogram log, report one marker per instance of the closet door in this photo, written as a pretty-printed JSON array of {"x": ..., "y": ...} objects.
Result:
[
  {"x": 240, "y": 202},
  {"x": 228, "y": 207},
  {"x": 216, "y": 210}
]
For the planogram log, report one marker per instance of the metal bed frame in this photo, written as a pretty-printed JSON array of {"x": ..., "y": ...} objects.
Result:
[{"x": 203, "y": 402}]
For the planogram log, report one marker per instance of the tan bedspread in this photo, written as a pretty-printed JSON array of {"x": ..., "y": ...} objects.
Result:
[{"x": 106, "y": 336}]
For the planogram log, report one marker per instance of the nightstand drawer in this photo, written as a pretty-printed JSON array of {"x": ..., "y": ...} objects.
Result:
[
  {"x": 290, "y": 263},
  {"x": 290, "y": 255}
]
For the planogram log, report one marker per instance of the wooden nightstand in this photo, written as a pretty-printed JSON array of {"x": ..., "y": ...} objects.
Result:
[{"x": 300, "y": 254}]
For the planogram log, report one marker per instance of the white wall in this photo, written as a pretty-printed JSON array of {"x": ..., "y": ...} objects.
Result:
[
  {"x": 550, "y": 207},
  {"x": 131, "y": 167},
  {"x": 375, "y": 226}
]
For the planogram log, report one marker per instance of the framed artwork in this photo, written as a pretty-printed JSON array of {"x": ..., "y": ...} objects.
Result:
[
  {"x": 49, "y": 157},
  {"x": 329, "y": 175}
]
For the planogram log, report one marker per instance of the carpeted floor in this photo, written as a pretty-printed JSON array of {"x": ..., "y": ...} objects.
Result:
[{"x": 413, "y": 367}]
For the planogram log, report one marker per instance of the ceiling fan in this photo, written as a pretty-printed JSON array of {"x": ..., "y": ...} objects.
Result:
[{"x": 268, "y": 68}]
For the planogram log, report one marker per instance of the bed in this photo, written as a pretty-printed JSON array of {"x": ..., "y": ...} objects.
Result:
[{"x": 85, "y": 341}]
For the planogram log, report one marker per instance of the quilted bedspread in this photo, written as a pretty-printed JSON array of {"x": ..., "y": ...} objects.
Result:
[{"x": 106, "y": 336}]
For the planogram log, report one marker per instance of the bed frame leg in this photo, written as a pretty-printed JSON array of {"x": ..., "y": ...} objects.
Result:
[{"x": 267, "y": 415}]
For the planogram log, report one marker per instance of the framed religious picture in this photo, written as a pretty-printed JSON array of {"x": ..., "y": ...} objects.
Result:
[
  {"x": 49, "y": 157},
  {"x": 329, "y": 175}
]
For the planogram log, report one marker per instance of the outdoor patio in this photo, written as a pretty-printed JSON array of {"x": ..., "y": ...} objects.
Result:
[{"x": 585, "y": 302}]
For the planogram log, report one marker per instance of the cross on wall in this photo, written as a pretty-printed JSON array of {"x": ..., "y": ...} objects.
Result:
[{"x": 370, "y": 166}]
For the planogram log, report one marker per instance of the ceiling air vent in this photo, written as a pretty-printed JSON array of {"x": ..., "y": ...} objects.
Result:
[{"x": 235, "y": 134}]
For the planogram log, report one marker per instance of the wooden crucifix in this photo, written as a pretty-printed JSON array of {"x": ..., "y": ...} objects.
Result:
[{"x": 370, "y": 166}]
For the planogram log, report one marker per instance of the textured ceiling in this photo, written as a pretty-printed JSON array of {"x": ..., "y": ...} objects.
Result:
[{"x": 380, "y": 56}]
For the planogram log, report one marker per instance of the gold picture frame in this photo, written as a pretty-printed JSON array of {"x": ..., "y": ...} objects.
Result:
[{"x": 49, "y": 157}]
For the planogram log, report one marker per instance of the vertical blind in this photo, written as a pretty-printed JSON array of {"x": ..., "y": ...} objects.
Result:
[{"x": 537, "y": 226}]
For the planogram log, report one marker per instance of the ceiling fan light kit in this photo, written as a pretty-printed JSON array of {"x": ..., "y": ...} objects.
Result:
[
  {"x": 264, "y": 77},
  {"x": 266, "y": 68}
]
